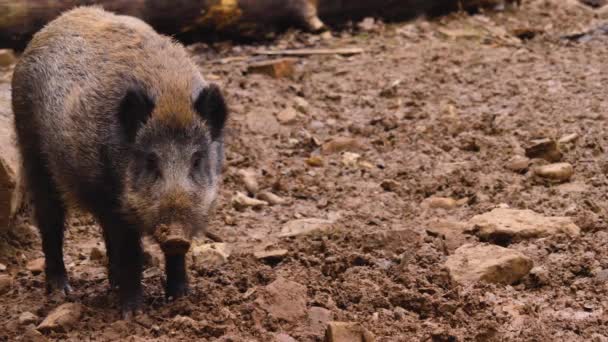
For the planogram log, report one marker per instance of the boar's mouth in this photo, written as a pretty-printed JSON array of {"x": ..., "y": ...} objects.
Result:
[{"x": 172, "y": 239}]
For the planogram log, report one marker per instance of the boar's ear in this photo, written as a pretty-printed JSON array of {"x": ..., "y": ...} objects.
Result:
[
  {"x": 211, "y": 107},
  {"x": 135, "y": 109}
]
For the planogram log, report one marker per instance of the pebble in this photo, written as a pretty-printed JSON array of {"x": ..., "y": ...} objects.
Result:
[
  {"x": 305, "y": 226},
  {"x": 488, "y": 263},
  {"x": 33, "y": 335},
  {"x": 287, "y": 116},
  {"x": 241, "y": 201},
  {"x": 568, "y": 138},
  {"x": 27, "y": 318},
  {"x": 558, "y": 172},
  {"x": 544, "y": 148},
  {"x": 2, "y": 267},
  {"x": 210, "y": 254},
  {"x": 518, "y": 164},
  {"x": 62, "y": 318},
  {"x": 276, "y": 68},
  {"x": 7, "y": 57},
  {"x": 96, "y": 254},
  {"x": 36, "y": 266},
  {"x": 284, "y": 299},
  {"x": 271, "y": 256},
  {"x": 248, "y": 177},
  {"x": 390, "y": 185},
  {"x": 511, "y": 225},
  {"x": 271, "y": 198},
  {"x": 315, "y": 161},
  {"x": 347, "y": 332},
  {"x": 301, "y": 105},
  {"x": 349, "y": 159},
  {"x": 318, "y": 318},
  {"x": 6, "y": 283},
  {"x": 341, "y": 144},
  {"x": 445, "y": 203},
  {"x": 262, "y": 122}
]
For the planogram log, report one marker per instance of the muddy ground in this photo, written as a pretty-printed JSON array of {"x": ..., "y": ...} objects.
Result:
[{"x": 437, "y": 108}]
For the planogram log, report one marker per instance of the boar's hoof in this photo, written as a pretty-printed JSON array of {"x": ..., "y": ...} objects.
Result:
[
  {"x": 58, "y": 283},
  {"x": 172, "y": 239}
]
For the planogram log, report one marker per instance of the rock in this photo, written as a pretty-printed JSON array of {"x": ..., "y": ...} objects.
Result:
[
  {"x": 301, "y": 105},
  {"x": 36, "y": 266},
  {"x": 452, "y": 232},
  {"x": 315, "y": 161},
  {"x": 347, "y": 332},
  {"x": 248, "y": 177},
  {"x": 27, "y": 318},
  {"x": 518, "y": 164},
  {"x": 367, "y": 24},
  {"x": 558, "y": 172},
  {"x": 241, "y": 201},
  {"x": 271, "y": 256},
  {"x": 544, "y": 148},
  {"x": 350, "y": 159},
  {"x": 446, "y": 203},
  {"x": 318, "y": 318},
  {"x": 287, "y": 116},
  {"x": 7, "y": 57},
  {"x": 262, "y": 122},
  {"x": 341, "y": 144},
  {"x": 182, "y": 322},
  {"x": 96, "y": 254},
  {"x": 284, "y": 299},
  {"x": 2, "y": 268},
  {"x": 277, "y": 68},
  {"x": 271, "y": 198},
  {"x": 305, "y": 226},
  {"x": 489, "y": 263},
  {"x": 33, "y": 335},
  {"x": 568, "y": 139},
  {"x": 6, "y": 283},
  {"x": 282, "y": 337},
  {"x": 210, "y": 254},
  {"x": 503, "y": 225},
  {"x": 390, "y": 185},
  {"x": 62, "y": 318}
]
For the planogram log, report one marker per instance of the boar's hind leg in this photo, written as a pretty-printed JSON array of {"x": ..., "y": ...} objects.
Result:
[
  {"x": 177, "y": 280},
  {"x": 49, "y": 211},
  {"x": 125, "y": 254}
]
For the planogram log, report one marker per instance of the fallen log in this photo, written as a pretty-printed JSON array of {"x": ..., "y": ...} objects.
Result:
[{"x": 191, "y": 20}]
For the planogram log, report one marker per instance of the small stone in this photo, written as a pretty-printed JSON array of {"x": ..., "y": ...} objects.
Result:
[
  {"x": 489, "y": 263},
  {"x": 284, "y": 299},
  {"x": 445, "y": 203},
  {"x": 33, "y": 335},
  {"x": 6, "y": 283},
  {"x": 504, "y": 225},
  {"x": 181, "y": 322},
  {"x": 544, "y": 148},
  {"x": 518, "y": 164},
  {"x": 540, "y": 275},
  {"x": 210, "y": 254},
  {"x": 390, "y": 185},
  {"x": 248, "y": 177},
  {"x": 262, "y": 122},
  {"x": 350, "y": 159},
  {"x": 341, "y": 144},
  {"x": 318, "y": 318},
  {"x": 36, "y": 266},
  {"x": 568, "y": 139},
  {"x": 96, "y": 254},
  {"x": 347, "y": 332},
  {"x": 558, "y": 172},
  {"x": 27, "y": 318},
  {"x": 326, "y": 35},
  {"x": 282, "y": 337},
  {"x": 367, "y": 24},
  {"x": 62, "y": 318},
  {"x": 315, "y": 161},
  {"x": 301, "y": 105},
  {"x": 287, "y": 116},
  {"x": 2, "y": 268},
  {"x": 305, "y": 226},
  {"x": 277, "y": 68},
  {"x": 271, "y": 256},
  {"x": 7, "y": 57},
  {"x": 452, "y": 232},
  {"x": 271, "y": 198},
  {"x": 241, "y": 201}
]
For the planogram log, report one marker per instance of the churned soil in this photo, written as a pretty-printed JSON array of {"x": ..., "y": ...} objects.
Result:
[{"x": 356, "y": 145}]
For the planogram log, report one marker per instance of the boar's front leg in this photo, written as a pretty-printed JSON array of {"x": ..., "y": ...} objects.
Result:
[
  {"x": 177, "y": 279},
  {"x": 126, "y": 262}
]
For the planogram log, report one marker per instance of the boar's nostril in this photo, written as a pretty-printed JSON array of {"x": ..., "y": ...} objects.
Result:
[{"x": 172, "y": 239}]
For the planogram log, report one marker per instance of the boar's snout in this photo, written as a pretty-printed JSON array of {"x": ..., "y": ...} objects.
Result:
[{"x": 172, "y": 239}]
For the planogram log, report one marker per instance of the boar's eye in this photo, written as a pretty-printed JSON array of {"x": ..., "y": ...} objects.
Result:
[
  {"x": 197, "y": 159},
  {"x": 152, "y": 164}
]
